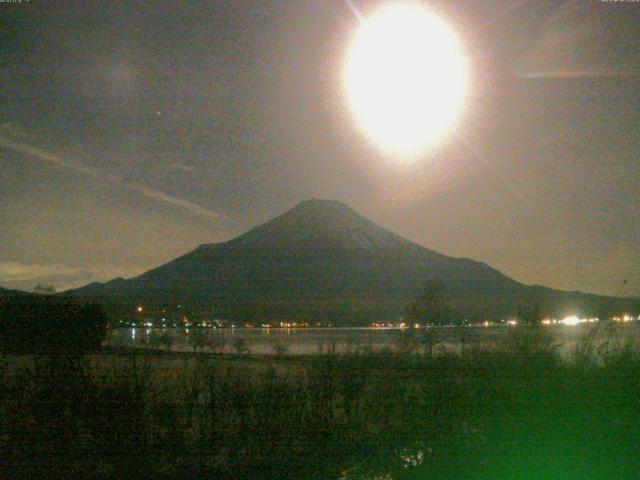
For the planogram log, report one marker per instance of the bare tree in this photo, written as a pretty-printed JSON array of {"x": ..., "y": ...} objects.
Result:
[
  {"x": 407, "y": 343},
  {"x": 240, "y": 346},
  {"x": 280, "y": 348},
  {"x": 530, "y": 313},
  {"x": 167, "y": 340},
  {"x": 44, "y": 289},
  {"x": 154, "y": 341},
  {"x": 197, "y": 339},
  {"x": 432, "y": 307},
  {"x": 429, "y": 339},
  {"x": 216, "y": 343}
]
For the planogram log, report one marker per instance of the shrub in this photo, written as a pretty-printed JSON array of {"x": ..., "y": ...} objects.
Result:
[{"x": 50, "y": 325}]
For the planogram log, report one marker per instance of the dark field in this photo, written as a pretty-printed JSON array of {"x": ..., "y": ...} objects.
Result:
[{"x": 507, "y": 411}]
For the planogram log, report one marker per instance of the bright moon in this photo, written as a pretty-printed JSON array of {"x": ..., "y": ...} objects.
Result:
[{"x": 405, "y": 78}]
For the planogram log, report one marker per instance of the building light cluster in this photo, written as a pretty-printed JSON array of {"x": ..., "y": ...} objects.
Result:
[
  {"x": 383, "y": 325},
  {"x": 150, "y": 317},
  {"x": 294, "y": 325}
]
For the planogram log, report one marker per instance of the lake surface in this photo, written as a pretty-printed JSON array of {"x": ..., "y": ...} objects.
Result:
[{"x": 305, "y": 341}]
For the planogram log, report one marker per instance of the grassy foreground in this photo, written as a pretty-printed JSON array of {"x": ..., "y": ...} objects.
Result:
[{"x": 514, "y": 411}]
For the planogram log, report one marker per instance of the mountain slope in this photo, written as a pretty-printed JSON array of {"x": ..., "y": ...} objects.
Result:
[
  {"x": 11, "y": 293},
  {"x": 323, "y": 259}
]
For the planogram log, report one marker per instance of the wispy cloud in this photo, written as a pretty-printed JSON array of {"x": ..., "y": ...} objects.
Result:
[
  {"x": 180, "y": 167},
  {"x": 25, "y": 276},
  {"x": 575, "y": 43},
  {"x": 15, "y": 139},
  {"x": 20, "y": 272}
]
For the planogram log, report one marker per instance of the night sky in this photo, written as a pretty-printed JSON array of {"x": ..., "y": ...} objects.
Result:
[{"x": 131, "y": 132}]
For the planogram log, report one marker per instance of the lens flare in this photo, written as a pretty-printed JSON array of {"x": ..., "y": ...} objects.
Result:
[{"x": 405, "y": 78}]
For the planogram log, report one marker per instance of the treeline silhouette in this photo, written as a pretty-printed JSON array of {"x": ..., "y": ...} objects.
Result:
[{"x": 44, "y": 324}]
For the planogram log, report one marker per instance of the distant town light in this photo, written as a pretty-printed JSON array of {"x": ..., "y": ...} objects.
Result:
[{"x": 570, "y": 320}]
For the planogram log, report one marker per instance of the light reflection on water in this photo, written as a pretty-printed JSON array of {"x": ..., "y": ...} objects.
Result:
[
  {"x": 258, "y": 340},
  {"x": 305, "y": 341}
]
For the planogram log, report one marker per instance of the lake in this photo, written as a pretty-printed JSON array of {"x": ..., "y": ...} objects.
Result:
[{"x": 305, "y": 341}]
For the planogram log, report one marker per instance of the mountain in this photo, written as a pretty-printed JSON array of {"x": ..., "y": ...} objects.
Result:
[
  {"x": 322, "y": 259},
  {"x": 11, "y": 293}
]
